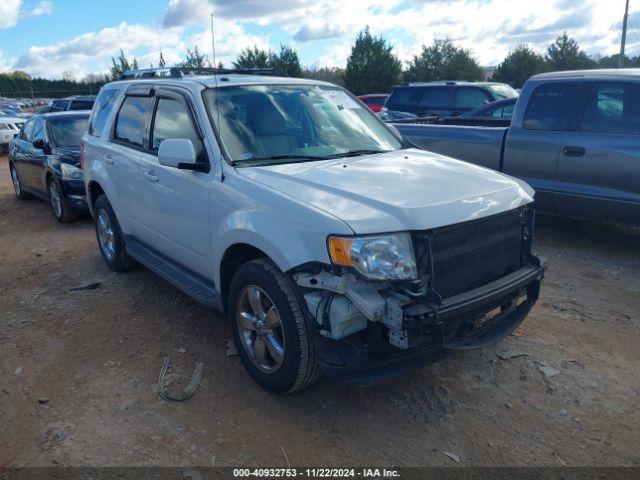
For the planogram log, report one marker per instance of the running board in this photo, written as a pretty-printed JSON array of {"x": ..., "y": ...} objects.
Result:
[{"x": 189, "y": 282}]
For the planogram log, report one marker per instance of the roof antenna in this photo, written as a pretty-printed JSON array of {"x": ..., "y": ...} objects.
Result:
[{"x": 213, "y": 43}]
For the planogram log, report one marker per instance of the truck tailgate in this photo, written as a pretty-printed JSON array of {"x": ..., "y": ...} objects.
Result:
[{"x": 479, "y": 145}]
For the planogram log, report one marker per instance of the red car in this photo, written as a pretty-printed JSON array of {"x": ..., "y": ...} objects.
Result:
[{"x": 375, "y": 101}]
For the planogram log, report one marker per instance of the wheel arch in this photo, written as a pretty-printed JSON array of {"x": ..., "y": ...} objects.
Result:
[
  {"x": 233, "y": 258},
  {"x": 94, "y": 190}
]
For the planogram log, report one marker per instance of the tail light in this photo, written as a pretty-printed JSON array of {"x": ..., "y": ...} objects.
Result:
[{"x": 82, "y": 155}]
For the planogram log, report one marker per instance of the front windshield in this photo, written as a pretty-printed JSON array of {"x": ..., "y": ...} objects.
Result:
[
  {"x": 503, "y": 91},
  {"x": 274, "y": 123},
  {"x": 67, "y": 132}
]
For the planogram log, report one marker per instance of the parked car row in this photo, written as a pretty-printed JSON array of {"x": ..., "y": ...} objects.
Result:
[{"x": 573, "y": 137}]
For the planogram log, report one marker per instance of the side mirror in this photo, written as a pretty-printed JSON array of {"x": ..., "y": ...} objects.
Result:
[
  {"x": 179, "y": 153},
  {"x": 41, "y": 145}
]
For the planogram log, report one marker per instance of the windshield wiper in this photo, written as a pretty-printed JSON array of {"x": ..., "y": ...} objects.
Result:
[
  {"x": 354, "y": 153},
  {"x": 267, "y": 159}
]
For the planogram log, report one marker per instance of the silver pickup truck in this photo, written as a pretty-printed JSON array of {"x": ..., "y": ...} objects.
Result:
[{"x": 574, "y": 137}]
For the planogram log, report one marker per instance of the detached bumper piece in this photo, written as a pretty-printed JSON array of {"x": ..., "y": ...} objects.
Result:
[{"x": 419, "y": 334}]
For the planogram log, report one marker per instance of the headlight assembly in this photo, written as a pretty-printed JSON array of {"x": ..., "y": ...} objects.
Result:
[
  {"x": 70, "y": 172},
  {"x": 378, "y": 257}
]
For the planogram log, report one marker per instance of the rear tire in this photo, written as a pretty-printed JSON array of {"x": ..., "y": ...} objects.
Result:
[
  {"x": 269, "y": 329},
  {"x": 110, "y": 238},
  {"x": 17, "y": 185},
  {"x": 62, "y": 209}
]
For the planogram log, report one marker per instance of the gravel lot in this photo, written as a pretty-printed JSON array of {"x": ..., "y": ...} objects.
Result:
[{"x": 78, "y": 369}]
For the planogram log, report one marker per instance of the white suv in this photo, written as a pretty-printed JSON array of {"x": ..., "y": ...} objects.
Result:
[{"x": 331, "y": 245}]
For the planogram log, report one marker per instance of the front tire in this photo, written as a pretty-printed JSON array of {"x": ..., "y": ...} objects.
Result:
[
  {"x": 60, "y": 206},
  {"x": 269, "y": 329},
  {"x": 110, "y": 237}
]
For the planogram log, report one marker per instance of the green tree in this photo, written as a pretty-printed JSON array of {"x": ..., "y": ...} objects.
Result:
[
  {"x": 287, "y": 62},
  {"x": 611, "y": 61},
  {"x": 371, "y": 67},
  {"x": 519, "y": 65},
  {"x": 119, "y": 66},
  {"x": 333, "y": 75},
  {"x": 254, "y": 58},
  {"x": 193, "y": 59},
  {"x": 443, "y": 61},
  {"x": 565, "y": 54}
]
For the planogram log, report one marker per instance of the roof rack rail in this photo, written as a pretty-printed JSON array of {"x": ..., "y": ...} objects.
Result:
[{"x": 180, "y": 72}]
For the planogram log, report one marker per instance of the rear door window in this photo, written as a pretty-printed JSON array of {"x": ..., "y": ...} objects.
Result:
[
  {"x": 436, "y": 97},
  {"x": 549, "y": 106},
  {"x": 612, "y": 107},
  {"x": 103, "y": 107},
  {"x": 403, "y": 97},
  {"x": 59, "y": 105},
  {"x": 81, "y": 105},
  {"x": 131, "y": 122},
  {"x": 470, "y": 97}
]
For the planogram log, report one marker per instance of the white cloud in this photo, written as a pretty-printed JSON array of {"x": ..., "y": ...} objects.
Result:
[
  {"x": 9, "y": 12},
  {"x": 43, "y": 8},
  {"x": 72, "y": 55}
]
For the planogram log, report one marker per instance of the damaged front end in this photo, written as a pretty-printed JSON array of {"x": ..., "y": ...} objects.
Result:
[{"x": 474, "y": 284}]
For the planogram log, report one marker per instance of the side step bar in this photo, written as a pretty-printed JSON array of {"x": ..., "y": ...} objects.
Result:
[{"x": 189, "y": 282}]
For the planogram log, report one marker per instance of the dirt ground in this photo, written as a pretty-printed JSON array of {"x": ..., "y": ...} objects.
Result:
[{"x": 78, "y": 369}]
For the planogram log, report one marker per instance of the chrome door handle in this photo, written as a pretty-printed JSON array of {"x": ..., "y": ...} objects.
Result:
[
  {"x": 108, "y": 159},
  {"x": 150, "y": 175}
]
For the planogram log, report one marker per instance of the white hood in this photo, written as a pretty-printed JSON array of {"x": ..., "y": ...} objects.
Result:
[{"x": 395, "y": 191}]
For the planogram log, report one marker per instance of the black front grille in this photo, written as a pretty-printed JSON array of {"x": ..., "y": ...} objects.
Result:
[{"x": 471, "y": 254}]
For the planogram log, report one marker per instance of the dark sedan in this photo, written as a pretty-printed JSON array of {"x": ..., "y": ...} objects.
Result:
[{"x": 45, "y": 162}]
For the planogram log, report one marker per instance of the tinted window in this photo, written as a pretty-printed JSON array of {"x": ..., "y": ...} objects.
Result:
[
  {"x": 549, "y": 106},
  {"x": 612, "y": 107},
  {"x": 38, "y": 132},
  {"x": 67, "y": 132},
  {"x": 132, "y": 119},
  {"x": 27, "y": 131},
  {"x": 404, "y": 96},
  {"x": 81, "y": 105},
  {"x": 470, "y": 98},
  {"x": 436, "y": 97},
  {"x": 103, "y": 106},
  {"x": 59, "y": 106},
  {"x": 172, "y": 120}
]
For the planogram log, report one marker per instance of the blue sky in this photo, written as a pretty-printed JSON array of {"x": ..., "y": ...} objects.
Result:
[{"x": 73, "y": 38}]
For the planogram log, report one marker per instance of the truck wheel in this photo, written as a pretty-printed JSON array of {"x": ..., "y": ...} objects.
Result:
[
  {"x": 59, "y": 204},
  {"x": 269, "y": 329},
  {"x": 17, "y": 186},
  {"x": 110, "y": 237}
]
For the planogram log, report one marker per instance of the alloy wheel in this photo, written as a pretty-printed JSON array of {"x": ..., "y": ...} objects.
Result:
[
  {"x": 106, "y": 235},
  {"x": 56, "y": 201},
  {"x": 260, "y": 329}
]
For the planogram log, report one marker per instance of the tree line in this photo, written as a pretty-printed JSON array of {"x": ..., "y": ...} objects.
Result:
[{"x": 372, "y": 66}]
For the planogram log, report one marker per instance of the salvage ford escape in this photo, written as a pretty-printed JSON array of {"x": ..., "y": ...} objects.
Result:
[{"x": 332, "y": 246}]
